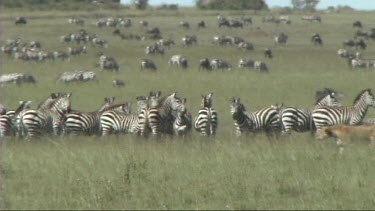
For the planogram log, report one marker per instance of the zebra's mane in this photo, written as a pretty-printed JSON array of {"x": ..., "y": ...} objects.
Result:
[
  {"x": 115, "y": 106},
  {"x": 359, "y": 96}
]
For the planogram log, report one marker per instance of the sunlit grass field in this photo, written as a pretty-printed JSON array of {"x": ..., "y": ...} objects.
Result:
[{"x": 222, "y": 172}]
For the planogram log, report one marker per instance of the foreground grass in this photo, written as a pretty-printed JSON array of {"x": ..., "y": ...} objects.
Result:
[{"x": 246, "y": 173}]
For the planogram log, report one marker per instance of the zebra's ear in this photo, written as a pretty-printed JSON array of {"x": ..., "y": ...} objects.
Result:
[
  {"x": 174, "y": 94},
  {"x": 69, "y": 95},
  {"x": 53, "y": 95},
  {"x": 113, "y": 99},
  {"x": 21, "y": 102},
  {"x": 151, "y": 93},
  {"x": 184, "y": 100},
  {"x": 158, "y": 94},
  {"x": 210, "y": 95}
]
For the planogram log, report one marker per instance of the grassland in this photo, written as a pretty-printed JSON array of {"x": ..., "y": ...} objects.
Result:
[{"x": 224, "y": 172}]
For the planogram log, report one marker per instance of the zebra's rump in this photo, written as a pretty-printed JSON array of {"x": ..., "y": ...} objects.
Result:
[
  {"x": 295, "y": 118},
  {"x": 6, "y": 126},
  {"x": 206, "y": 121}
]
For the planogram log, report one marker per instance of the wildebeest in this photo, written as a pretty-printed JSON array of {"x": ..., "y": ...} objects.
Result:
[
  {"x": 143, "y": 23},
  {"x": 246, "y": 46},
  {"x": 204, "y": 64},
  {"x": 281, "y": 38},
  {"x": 312, "y": 18},
  {"x": 201, "y": 24},
  {"x": 77, "y": 21},
  {"x": 345, "y": 53},
  {"x": 99, "y": 42},
  {"x": 108, "y": 63},
  {"x": 222, "y": 40},
  {"x": 220, "y": 64},
  {"x": 260, "y": 66},
  {"x": 154, "y": 49},
  {"x": 118, "y": 83},
  {"x": 166, "y": 42},
  {"x": 72, "y": 51},
  {"x": 125, "y": 22},
  {"x": 188, "y": 40},
  {"x": 268, "y": 53},
  {"x": 357, "y": 24},
  {"x": 184, "y": 24},
  {"x": 148, "y": 64},
  {"x": 20, "y": 20},
  {"x": 178, "y": 60},
  {"x": 246, "y": 63},
  {"x": 247, "y": 20},
  {"x": 316, "y": 39},
  {"x": 355, "y": 43}
]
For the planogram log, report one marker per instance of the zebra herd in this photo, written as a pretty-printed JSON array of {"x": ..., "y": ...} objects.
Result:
[{"x": 156, "y": 114}]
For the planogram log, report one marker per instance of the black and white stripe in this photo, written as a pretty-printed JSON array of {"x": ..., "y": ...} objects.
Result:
[
  {"x": 351, "y": 115},
  {"x": 206, "y": 120},
  {"x": 183, "y": 122}
]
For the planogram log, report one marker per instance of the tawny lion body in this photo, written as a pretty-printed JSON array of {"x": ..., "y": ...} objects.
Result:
[{"x": 346, "y": 134}]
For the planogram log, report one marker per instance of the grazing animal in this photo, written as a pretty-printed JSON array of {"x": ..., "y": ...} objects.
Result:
[
  {"x": 268, "y": 53},
  {"x": 357, "y": 24},
  {"x": 201, "y": 24},
  {"x": 312, "y": 18},
  {"x": 281, "y": 39},
  {"x": 206, "y": 120},
  {"x": 316, "y": 39},
  {"x": 184, "y": 25},
  {"x": 345, "y": 53},
  {"x": 220, "y": 64},
  {"x": 248, "y": 63},
  {"x": 189, "y": 40},
  {"x": 246, "y": 46},
  {"x": 99, "y": 42},
  {"x": 73, "y": 51},
  {"x": 299, "y": 120},
  {"x": 77, "y": 21},
  {"x": 20, "y": 21},
  {"x": 166, "y": 42},
  {"x": 205, "y": 64},
  {"x": 355, "y": 43},
  {"x": 178, "y": 60},
  {"x": 352, "y": 115},
  {"x": 260, "y": 66},
  {"x": 108, "y": 63},
  {"x": 17, "y": 78},
  {"x": 118, "y": 83},
  {"x": 46, "y": 118},
  {"x": 266, "y": 119},
  {"x": 148, "y": 64},
  {"x": 154, "y": 49},
  {"x": 143, "y": 23},
  {"x": 183, "y": 122}
]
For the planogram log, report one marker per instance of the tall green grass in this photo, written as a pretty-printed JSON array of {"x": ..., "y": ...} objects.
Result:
[{"x": 224, "y": 172}]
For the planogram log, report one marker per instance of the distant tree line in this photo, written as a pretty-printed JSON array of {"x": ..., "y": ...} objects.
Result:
[
  {"x": 231, "y": 4},
  {"x": 59, "y": 4}
]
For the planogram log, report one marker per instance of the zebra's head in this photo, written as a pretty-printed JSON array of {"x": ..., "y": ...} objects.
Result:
[
  {"x": 154, "y": 99},
  {"x": 207, "y": 100},
  {"x": 62, "y": 104},
  {"x": 46, "y": 104},
  {"x": 367, "y": 97},
  {"x": 142, "y": 102},
  {"x": 236, "y": 107},
  {"x": 108, "y": 101}
]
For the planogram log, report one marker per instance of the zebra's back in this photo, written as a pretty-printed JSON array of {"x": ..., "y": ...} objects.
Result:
[
  {"x": 115, "y": 122},
  {"x": 206, "y": 121}
]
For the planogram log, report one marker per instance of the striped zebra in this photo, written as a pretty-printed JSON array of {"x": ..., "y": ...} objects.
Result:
[
  {"x": 8, "y": 119},
  {"x": 311, "y": 18},
  {"x": 266, "y": 119},
  {"x": 88, "y": 123},
  {"x": 112, "y": 122},
  {"x": 299, "y": 120},
  {"x": 161, "y": 112},
  {"x": 17, "y": 78},
  {"x": 46, "y": 118},
  {"x": 178, "y": 60},
  {"x": 206, "y": 120},
  {"x": 183, "y": 122},
  {"x": 351, "y": 115}
]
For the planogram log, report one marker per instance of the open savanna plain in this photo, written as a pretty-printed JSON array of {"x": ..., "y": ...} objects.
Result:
[{"x": 221, "y": 172}]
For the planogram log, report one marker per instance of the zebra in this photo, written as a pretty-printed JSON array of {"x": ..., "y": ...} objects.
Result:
[
  {"x": 183, "y": 123},
  {"x": 268, "y": 53},
  {"x": 68, "y": 77},
  {"x": 189, "y": 40},
  {"x": 118, "y": 83},
  {"x": 222, "y": 40},
  {"x": 220, "y": 64},
  {"x": 17, "y": 78},
  {"x": 46, "y": 118},
  {"x": 7, "y": 119},
  {"x": 72, "y": 51},
  {"x": 115, "y": 122},
  {"x": 108, "y": 63},
  {"x": 161, "y": 112},
  {"x": 235, "y": 23},
  {"x": 125, "y": 22},
  {"x": 178, "y": 60},
  {"x": 312, "y": 18},
  {"x": 148, "y": 64},
  {"x": 361, "y": 63},
  {"x": 267, "y": 119},
  {"x": 77, "y": 21},
  {"x": 206, "y": 120},
  {"x": 299, "y": 120},
  {"x": 184, "y": 24},
  {"x": 87, "y": 123},
  {"x": 351, "y": 115},
  {"x": 281, "y": 39}
]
